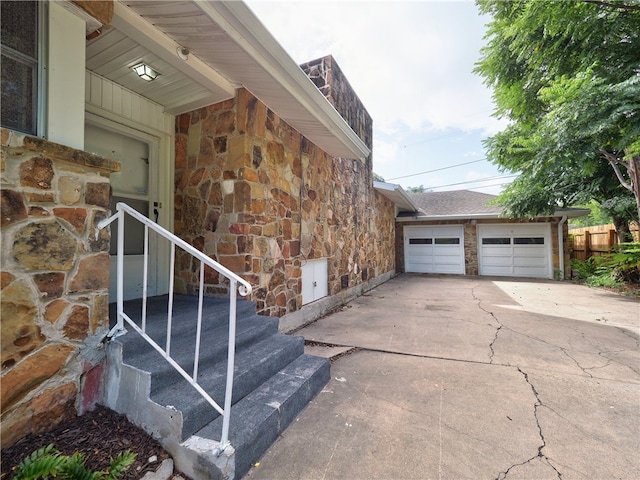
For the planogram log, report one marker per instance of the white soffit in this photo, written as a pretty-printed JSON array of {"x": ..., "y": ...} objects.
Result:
[
  {"x": 229, "y": 48},
  {"x": 397, "y": 195}
]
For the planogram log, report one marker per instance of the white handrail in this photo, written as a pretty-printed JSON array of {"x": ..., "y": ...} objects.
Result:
[{"x": 237, "y": 285}]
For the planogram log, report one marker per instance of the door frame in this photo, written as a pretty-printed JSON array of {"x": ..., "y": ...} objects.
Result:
[{"x": 160, "y": 149}]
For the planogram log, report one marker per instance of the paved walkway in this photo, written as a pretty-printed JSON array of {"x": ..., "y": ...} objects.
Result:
[{"x": 472, "y": 378}]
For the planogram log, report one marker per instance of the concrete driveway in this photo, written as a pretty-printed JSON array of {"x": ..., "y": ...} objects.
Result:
[{"x": 472, "y": 378}]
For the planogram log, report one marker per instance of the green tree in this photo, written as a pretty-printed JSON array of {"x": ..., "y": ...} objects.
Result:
[
  {"x": 419, "y": 189},
  {"x": 567, "y": 76}
]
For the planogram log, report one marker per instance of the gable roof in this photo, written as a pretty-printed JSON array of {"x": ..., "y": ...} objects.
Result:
[{"x": 455, "y": 202}]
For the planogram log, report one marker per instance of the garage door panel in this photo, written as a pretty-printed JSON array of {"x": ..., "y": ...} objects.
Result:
[
  {"x": 497, "y": 270},
  {"x": 515, "y": 250},
  {"x": 503, "y": 261},
  {"x": 434, "y": 249}
]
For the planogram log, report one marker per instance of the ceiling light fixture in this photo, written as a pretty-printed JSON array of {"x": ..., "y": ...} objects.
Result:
[{"x": 145, "y": 72}]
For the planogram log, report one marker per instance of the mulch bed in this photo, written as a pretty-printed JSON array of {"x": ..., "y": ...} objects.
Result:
[{"x": 101, "y": 435}]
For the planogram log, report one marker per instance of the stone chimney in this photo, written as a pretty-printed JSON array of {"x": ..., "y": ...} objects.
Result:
[{"x": 328, "y": 77}]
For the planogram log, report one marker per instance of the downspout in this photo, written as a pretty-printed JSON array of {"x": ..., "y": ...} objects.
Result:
[{"x": 561, "y": 245}]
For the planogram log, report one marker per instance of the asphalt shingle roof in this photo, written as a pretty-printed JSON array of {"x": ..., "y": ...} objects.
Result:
[{"x": 456, "y": 202}]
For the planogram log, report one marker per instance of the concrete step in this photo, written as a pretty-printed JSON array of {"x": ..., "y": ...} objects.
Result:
[
  {"x": 273, "y": 381},
  {"x": 215, "y": 313},
  {"x": 254, "y": 364},
  {"x": 213, "y": 345},
  {"x": 258, "y": 419}
]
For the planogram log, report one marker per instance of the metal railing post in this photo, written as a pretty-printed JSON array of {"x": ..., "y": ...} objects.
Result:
[
  {"x": 120, "y": 270},
  {"x": 226, "y": 418}
]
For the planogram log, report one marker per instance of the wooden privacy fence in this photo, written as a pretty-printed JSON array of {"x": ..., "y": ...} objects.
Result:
[{"x": 595, "y": 241}]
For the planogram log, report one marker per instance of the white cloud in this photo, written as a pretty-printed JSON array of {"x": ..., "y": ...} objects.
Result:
[{"x": 410, "y": 62}]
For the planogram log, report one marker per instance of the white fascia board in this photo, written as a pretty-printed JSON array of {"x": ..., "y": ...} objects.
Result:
[
  {"x": 239, "y": 22},
  {"x": 143, "y": 32},
  {"x": 571, "y": 212},
  {"x": 396, "y": 194},
  {"x": 422, "y": 218}
]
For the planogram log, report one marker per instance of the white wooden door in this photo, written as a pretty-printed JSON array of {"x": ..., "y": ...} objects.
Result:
[{"x": 136, "y": 185}]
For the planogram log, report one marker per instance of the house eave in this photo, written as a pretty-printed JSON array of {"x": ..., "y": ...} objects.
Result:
[
  {"x": 396, "y": 194},
  {"x": 559, "y": 213},
  {"x": 243, "y": 27},
  {"x": 229, "y": 48}
]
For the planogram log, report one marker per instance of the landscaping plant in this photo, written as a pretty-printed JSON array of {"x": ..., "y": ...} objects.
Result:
[
  {"x": 47, "y": 462},
  {"x": 620, "y": 267}
]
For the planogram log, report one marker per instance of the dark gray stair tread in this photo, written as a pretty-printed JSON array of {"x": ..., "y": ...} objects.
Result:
[
  {"x": 213, "y": 345},
  {"x": 254, "y": 364},
  {"x": 258, "y": 419},
  {"x": 185, "y": 310}
]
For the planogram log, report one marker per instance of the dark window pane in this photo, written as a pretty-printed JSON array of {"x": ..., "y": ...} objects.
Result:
[
  {"x": 496, "y": 241},
  {"x": 448, "y": 241},
  {"x": 529, "y": 241},
  {"x": 133, "y": 229},
  {"x": 19, "y": 26},
  {"x": 19, "y": 76},
  {"x": 420, "y": 241},
  {"x": 18, "y": 94}
]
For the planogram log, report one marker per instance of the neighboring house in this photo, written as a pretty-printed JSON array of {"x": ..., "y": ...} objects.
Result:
[
  {"x": 461, "y": 232},
  {"x": 231, "y": 146}
]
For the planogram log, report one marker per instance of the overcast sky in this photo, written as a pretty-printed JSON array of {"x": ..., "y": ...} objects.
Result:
[{"x": 411, "y": 65}]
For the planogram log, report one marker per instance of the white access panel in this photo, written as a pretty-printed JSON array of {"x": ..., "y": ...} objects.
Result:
[{"x": 315, "y": 280}]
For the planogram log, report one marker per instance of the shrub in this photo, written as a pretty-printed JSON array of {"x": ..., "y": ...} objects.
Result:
[
  {"x": 48, "y": 462},
  {"x": 620, "y": 266}
]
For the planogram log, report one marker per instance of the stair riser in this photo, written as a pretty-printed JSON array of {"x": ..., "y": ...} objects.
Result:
[
  {"x": 250, "y": 372},
  {"x": 262, "y": 416},
  {"x": 213, "y": 347}
]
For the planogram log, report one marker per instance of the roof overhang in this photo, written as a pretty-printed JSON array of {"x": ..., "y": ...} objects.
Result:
[
  {"x": 559, "y": 213},
  {"x": 228, "y": 48},
  {"x": 397, "y": 195}
]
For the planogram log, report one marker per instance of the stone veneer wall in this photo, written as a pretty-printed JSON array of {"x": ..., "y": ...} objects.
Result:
[
  {"x": 255, "y": 195},
  {"x": 471, "y": 241},
  {"x": 54, "y": 281}
]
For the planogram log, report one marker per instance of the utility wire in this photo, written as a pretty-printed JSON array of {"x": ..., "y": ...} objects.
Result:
[
  {"x": 439, "y": 169},
  {"x": 472, "y": 181}
]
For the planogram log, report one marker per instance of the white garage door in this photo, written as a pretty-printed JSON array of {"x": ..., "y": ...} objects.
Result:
[
  {"x": 434, "y": 249},
  {"x": 515, "y": 250}
]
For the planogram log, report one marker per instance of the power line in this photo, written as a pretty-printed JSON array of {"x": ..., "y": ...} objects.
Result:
[
  {"x": 439, "y": 169},
  {"x": 472, "y": 181}
]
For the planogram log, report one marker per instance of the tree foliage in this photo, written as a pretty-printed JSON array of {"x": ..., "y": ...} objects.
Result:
[{"x": 567, "y": 76}]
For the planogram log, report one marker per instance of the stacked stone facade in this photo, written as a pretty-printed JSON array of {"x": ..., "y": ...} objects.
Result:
[
  {"x": 54, "y": 281},
  {"x": 258, "y": 197}
]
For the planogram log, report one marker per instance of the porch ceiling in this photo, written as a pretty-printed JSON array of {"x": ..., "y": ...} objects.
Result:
[{"x": 229, "y": 48}]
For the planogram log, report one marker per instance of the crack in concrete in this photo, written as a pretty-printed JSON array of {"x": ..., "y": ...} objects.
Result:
[
  {"x": 500, "y": 325},
  {"x": 543, "y": 444},
  {"x": 564, "y": 350}
]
